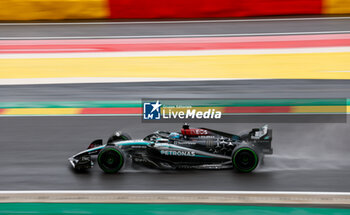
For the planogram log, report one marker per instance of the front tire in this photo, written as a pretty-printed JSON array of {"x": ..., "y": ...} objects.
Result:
[
  {"x": 110, "y": 160},
  {"x": 245, "y": 159}
]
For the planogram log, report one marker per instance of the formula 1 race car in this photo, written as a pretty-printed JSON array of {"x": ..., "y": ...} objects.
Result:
[{"x": 192, "y": 148}]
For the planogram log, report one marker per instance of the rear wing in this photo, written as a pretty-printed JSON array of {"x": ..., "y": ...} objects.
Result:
[{"x": 262, "y": 137}]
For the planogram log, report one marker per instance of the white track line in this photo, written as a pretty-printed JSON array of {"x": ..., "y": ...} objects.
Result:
[
  {"x": 169, "y": 192},
  {"x": 337, "y": 71},
  {"x": 194, "y": 40},
  {"x": 165, "y": 196},
  {"x": 86, "y": 80},
  {"x": 179, "y": 21},
  {"x": 177, "y": 53},
  {"x": 177, "y": 36}
]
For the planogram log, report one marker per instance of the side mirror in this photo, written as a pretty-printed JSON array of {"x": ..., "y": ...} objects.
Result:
[{"x": 95, "y": 143}]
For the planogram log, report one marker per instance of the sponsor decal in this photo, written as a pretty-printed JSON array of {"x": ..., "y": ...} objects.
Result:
[
  {"x": 151, "y": 110},
  {"x": 172, "y": 113},
  {"x": 185, "y": 143},
  {"x": 177, "y": 153},
  {"x": 139, "y": 160},
  {"x": 156, "y": 110},
  {"x": 138, "y": 147},
  {"x": 194, "y": 132},
  {"x": 206, "y": 137}
]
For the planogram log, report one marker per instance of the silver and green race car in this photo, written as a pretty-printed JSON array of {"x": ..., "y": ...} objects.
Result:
[{"x": 190, "y": 148}]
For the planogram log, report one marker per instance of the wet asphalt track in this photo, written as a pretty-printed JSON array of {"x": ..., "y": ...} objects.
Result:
[
  {"x": 34, "y": 150},
  {"x": 184, "y": 29},
  {"x": 187, "y": 89}
]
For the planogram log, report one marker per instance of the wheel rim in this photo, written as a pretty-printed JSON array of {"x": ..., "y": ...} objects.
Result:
[
  {"x": 245, "y": 160},
  {"x": 110, "y": 161}
]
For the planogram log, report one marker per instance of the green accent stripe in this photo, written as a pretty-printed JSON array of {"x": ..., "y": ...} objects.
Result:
[
  {"x": 259, "y": 102},
  {"x": 203, "y": 156},
  {"x": 133, "y": 143},
  {"x": 193, "y": 103},
  {"x": 71, "y": 104},
  {"x": 154, "y": 209}
]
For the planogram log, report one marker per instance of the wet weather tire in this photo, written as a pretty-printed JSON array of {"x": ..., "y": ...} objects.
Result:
[
  {"x": 110, "y": 160},
  {"x": 245, "y": 160}
]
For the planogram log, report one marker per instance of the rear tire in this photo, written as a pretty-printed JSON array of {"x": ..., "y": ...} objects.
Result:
[
  {"x": 245, "y": 159},
  {"x": 110, "y": 160}
]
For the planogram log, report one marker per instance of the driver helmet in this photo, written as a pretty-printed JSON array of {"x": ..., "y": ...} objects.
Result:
[
  {"x": 186, "y": 126},
  {"x": 174, "y": 135}
]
